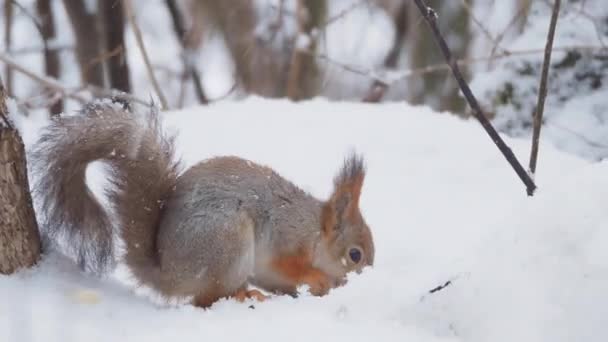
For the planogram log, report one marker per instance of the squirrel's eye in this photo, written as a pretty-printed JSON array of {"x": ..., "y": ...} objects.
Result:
[{"x": 354, "y": 255}]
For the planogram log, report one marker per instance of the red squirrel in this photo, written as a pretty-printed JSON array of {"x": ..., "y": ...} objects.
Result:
[{"x": 206, "y": 233}]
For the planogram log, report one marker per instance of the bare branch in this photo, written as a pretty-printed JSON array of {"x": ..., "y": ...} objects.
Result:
[
  {"x": 51, "y": 57},
  {"x": 8, "y": 33},
  {"x": 53, "y": 83},
  {"x": 523, "y": 9},
  {"x": 119, "y": 49},
  {"x": 225, "y": 95},
  {"x": 128, "y": 7},
  {"x": 378, "y": 89},
  {"x": 431, "y": 18},
  {"x": 478, "y": 22},
  {"x": 383, "y": 78},
  {"x": 342, "y": 13},
  {"x": 542, "y": 92},
  {"x": 596, "y": 25},
  {"x": 38, "y": 49},
  {"x": 84, "y": 27},
  {"x": 48, "y": 82},
  {"x": 180, "y": 31}
]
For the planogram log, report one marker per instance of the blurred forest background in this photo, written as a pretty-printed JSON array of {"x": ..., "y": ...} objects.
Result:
[{"x": 57, "y": 54}]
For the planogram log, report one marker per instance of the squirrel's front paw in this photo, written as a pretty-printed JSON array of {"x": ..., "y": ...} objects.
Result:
[
  {"x": 318, "y": 282},
  {"x": 243, "y": 294}
]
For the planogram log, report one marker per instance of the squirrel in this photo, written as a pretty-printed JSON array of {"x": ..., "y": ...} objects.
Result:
[{"x": 206, "y": 233}]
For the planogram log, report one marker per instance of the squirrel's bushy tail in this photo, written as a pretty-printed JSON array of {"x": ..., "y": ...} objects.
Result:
[{"x": 142, "y": 173}]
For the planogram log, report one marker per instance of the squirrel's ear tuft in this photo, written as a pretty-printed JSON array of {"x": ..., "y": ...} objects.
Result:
[
  {"x": 351, "y": 175},
  {"x": 344, "y": 202}
]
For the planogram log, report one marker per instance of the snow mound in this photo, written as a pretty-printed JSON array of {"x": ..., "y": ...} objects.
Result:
[{"x": 443, "y": 205}]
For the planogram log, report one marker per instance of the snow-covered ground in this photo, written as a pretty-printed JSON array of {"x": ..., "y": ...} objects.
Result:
[{"x": 443, "y": 205}]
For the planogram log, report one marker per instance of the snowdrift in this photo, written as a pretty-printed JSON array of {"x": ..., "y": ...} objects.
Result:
[{"x": 443, "y": 205}]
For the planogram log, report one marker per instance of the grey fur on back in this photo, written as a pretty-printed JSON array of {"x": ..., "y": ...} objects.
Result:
[
  {"x": 197, "y": 230},
  {"x": 142, "y": 172}
]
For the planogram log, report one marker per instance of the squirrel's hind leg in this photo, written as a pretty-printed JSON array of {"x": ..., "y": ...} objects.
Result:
[{"x": 230, "y": 248}]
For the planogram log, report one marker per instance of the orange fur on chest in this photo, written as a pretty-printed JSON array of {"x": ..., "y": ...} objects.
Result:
[{"x": 298, "y": 269}]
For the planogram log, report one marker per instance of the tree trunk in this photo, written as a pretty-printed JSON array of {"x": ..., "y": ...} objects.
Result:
[
  {"x": 303, "y": 77},
  {"x": 84, "y": 25},
  {"x": 438, "y": 89},
  {"x": 190, "y": 70},
  {"x": 259, "y": 67},
  {"x": 19, "y": 236},
  {"x": 113, "y": 23},
  {"x": 400, "y": 20},
  {"x": 51, "y": 56}
]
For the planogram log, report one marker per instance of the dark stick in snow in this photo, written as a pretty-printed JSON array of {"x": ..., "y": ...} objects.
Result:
[
  {"x": 441, "y": 287},
  {"x": 431, "y": 18},
  {"x": 542, "y": 91}
]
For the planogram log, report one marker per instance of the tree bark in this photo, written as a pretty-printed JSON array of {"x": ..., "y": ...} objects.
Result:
[
  {"x": 84, "y": 25},
  {"x": 400, "y": 20},
  {"x": 19, "y": 235},
  {"x": 113, "y": 23},
  {"x": 438, "y": 89},
  {"x": 189, "y": 67},
  {"x": 51, "y": 56},
  {"x": 302, "y": 80},
  {"x": 260, "y": 68}
]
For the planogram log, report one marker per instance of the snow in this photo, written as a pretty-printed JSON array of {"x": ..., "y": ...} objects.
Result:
[
  {"x": 442, "y": 203},
  {"x": 303, "y": 42},
  {"x": 576, "y": 106}
]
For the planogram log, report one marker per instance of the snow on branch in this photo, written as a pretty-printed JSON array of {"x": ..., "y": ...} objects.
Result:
[{"x": 53, "y": 83}]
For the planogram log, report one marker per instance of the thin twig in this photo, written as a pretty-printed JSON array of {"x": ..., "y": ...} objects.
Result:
[
  {"x": 431, "y": 18},
  {"x": 32, "y": 18},
  {"x": 477, "y": 22},
  {"x": 378, "y": 89},
  {"x": 442, "y": 286},
  {"x": 128, "y": 7},
  {"x": 36, "y": 23},
  {"x": 542, "y": 92},
  {"x": 500, "y": 37},
  {"x": 48, "y": 82},
  {"x": 579, "y": 135},
  {"x": 53, "y": 83},
  {"x": 180, "y": 31},
  {"x": 52, "y": 63},
  {"x": 38, "y": 49},
  {"x": 467, "y": 61},
  {"x": 8, "y": 34},
  {"x": 103, "y": 57},
  {"x": 400, "y": 75},
  {"x": 594, "y": 21},
  {"x": 342, "y": 14},
  {"x": 226, "y": 94},
  {"x": 348, "y": 67}
]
